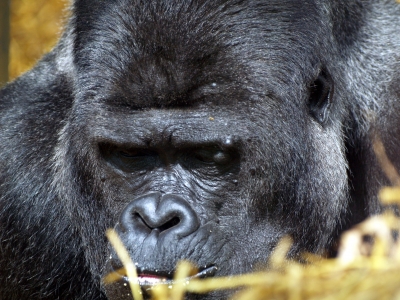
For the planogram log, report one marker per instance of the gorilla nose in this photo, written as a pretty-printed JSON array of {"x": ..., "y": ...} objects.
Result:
[{"x": 160, "y": 213}]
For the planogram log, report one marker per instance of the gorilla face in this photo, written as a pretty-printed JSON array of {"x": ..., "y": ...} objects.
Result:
[
  {"x": 199, "y": 130},
  {"x": 185, "y": 136},
  {"x": 208, "y": 183}
]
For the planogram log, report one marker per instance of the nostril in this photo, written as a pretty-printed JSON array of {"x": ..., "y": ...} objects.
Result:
[
  {"x": 138, "y": 218},
  {"x": 171, "y": 223},
  {"x": 167, "y": 225}
]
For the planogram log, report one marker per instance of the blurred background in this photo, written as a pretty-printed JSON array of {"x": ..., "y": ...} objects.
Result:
[{"x": 28, "y": 29}]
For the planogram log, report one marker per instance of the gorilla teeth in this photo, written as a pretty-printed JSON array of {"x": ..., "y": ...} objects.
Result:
[
  {"x": 145, "y": 280},
  {"x": 150, "y": 279},
  {"x": 206, "y": 272}
]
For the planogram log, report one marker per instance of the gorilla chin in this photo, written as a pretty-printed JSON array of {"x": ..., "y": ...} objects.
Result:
[{"x": 201, "y": 130}]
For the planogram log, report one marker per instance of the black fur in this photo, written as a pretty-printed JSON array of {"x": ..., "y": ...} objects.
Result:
[{"x": 256, "y": 115}]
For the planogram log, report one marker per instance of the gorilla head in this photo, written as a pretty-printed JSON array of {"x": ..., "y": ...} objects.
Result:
[{"x": 199, "y": 130}]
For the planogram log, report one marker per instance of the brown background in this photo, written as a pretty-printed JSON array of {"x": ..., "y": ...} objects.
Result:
[{"x": 35, "y": 26}]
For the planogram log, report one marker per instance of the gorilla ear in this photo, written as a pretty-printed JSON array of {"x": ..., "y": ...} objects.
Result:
[{"x": 320, "y": 99}]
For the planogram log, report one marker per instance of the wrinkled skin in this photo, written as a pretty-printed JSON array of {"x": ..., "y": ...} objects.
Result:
[{"x": 199, "y": 130}]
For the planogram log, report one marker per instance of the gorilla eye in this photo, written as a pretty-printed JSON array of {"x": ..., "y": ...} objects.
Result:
[
  {"x": 321, "y": 93},
  {"x": 130, "y": 160},
  {"x": 134, "y": 153},
  {"x": 213, "y": 156},
  {"x": 204, "y": 156},
  {"x": 222, "y": 158}
]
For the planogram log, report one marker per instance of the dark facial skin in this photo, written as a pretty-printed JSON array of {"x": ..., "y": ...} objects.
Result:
[
  {"x": 177, "y": 179},
  {"x": 198, "y": 130},
  {"x": 181, "y": 181}
]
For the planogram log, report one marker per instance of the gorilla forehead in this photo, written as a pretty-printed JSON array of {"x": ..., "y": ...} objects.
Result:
[{"x": 172, "y": 49}]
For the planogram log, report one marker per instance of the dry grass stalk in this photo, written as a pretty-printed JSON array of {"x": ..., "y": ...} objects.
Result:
[{"x": 127, "y": 262}]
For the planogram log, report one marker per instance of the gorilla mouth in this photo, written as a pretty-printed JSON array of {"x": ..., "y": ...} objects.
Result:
[
  {"x": 119, "y": 288},
  {"x": 150, "y": 278}
]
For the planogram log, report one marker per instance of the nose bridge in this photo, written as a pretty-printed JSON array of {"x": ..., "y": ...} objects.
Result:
[{"x": 171, "y": 179}]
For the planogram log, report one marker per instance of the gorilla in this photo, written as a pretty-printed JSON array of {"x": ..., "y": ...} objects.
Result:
[{"x": 203, "y": 130}]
